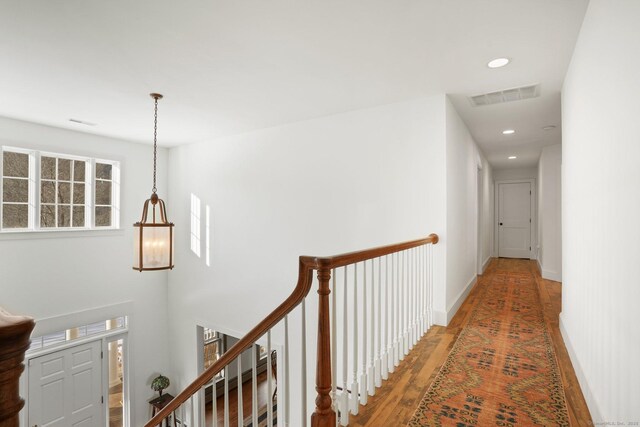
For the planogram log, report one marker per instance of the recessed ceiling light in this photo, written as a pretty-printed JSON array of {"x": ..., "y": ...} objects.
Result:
[
  {"x": 512, "y": 157},
  {"x": 549, "y": 127},
  {"x": 498, "y": 62},
  {"x": 508, "y": 131}
]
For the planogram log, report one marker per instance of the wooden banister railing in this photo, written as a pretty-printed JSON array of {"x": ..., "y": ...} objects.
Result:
[
  {"x": 325, "y": 414},
  {"x": 14, "y": 342}
]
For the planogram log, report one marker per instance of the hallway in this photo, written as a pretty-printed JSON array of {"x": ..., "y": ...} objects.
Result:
[{"x": 396, "y": 404}]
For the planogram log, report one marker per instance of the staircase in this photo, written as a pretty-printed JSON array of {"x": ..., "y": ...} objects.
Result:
[{"x": 371, "y": 307}]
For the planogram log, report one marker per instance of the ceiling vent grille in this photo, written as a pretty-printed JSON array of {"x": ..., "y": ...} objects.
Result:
[{"x": 507, "y": 95}]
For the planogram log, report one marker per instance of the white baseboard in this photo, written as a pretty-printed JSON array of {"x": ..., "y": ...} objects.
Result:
[
  {"x": 485, "y": 264},
  {"x": 551, "y": 275},
  {"x": 548, "y": 274},
  {"x": 440, "y": 317},
  {"x": 596, "y": 415},
  {"x": 443, "y": 318}
]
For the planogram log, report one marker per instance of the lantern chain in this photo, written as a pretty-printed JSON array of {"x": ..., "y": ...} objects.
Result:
[{"x": 155, "y": 139}]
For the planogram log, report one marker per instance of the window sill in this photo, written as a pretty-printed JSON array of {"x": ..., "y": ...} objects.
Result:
[{"x": 56, "y": 234}]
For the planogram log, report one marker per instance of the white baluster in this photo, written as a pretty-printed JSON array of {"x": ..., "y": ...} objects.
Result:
[
  {"x": 432, "y": 284},
  {"x": 239, "y": 388},
  {"x": 192, "y": 410},
  {"x": 303, "y": 355},
  {"x": 269, "y": 382},
  {"x": 363, "y": 374},
  {"x": 370, "y": 371},
  {"x": 254, "y": 387},
  {"x": 287, "y": 383},
  {"x": 411, "y": 300},
  {"x": 400, "y": 311},
  {"x": 403, "y": 307},
  {"x": 426, "y": 287},
  {"x": 407, "y": 296},
  {"x": 334, "y": 345},
  {"x": 423, "y": 290},
  {"x": 214, "y": 404},
  {"x": 379, "y": 347},
  {"x": 416, "y": 316},
  {"x": 354, "y": 384},
  {"x": 395, "y": 266},
  {"x": 226, "y": 396},
  {"x": 418, "y": 326},
  {"x": 344, "y": 397},
  {"x": 387, "y": 322},
  {"x": 429, "y": 285}
]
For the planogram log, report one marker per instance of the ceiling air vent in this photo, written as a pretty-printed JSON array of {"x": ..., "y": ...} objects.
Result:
[{"x": 507, "y": 95}]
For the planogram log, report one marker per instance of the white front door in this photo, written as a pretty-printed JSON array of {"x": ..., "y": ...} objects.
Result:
[
  {"x": 514, "y": 220},
  {"x": 65, "y": 388}
]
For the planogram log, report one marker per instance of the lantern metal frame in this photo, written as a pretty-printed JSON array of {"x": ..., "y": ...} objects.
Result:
[{"x": 156, "y": 204}]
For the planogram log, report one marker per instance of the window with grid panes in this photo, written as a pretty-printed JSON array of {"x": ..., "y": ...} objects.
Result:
[
  {"x": 104, "y": 194},
  {"x": 16, "y": 189},
  {"x": 44, "y": 191},
  {"x": 62, "y": 192}
]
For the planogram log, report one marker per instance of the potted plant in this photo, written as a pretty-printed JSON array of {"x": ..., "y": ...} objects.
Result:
[{"x": 160, "y": 383}]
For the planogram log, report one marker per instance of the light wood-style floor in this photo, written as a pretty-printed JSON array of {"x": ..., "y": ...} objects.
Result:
[{"x": 397, "y": 400}]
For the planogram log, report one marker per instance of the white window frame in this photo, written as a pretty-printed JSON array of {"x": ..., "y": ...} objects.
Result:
[{"x": 35, "y": 181}]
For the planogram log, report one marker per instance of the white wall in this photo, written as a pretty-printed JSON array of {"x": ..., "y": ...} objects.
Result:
[
  {"x": 487, "y": 215},
  {"x": 549, "y": 213},
  {"x": 463, "y": 160},
  {"x": 601, "y": 205},
  {"x": 55, "y": 276}
]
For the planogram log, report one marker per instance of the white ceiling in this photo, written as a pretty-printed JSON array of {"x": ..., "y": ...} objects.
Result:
[{"x": 234, "y": 66}]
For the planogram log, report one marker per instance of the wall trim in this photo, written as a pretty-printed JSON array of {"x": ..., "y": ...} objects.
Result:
[
  {"x": 443, "y": 318},
  {"x": 550, "y": 275},
  {"x": 596, "y": 415},
  {"x": 83, "y": 317},
  {"x": 440, "y": 317},
  {"x": 485, "y": 264}
]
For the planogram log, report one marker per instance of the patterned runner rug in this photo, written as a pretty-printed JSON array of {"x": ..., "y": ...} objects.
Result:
[{"x": 502, "y": 370}]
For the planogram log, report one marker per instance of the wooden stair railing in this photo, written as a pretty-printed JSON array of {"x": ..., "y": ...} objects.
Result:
[
  {"x": 324, "y": 415},
  {"x": 14, "y": 342}
]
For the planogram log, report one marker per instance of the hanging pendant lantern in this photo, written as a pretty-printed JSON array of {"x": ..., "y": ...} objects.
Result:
[{"x": 153, "y": 239}]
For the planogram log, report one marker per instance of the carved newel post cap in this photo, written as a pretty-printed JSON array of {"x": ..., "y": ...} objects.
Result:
[{"x": 14, "y": 342}]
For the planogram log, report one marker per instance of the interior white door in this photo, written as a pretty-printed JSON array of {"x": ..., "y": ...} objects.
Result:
[
  {"x": 514, "y": 220},
  {"x": 65, "y": 388}
]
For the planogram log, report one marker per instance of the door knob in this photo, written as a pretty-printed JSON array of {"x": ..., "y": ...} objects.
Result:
[{"x": 500, "y": 223}]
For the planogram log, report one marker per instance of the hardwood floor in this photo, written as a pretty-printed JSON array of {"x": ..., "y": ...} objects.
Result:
[
  {"x": 247, "y": 397},
  {"x": 397, "y": 400}
]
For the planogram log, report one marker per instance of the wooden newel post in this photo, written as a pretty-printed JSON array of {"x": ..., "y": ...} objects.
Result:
[
  {"x": 324, "y": 415},
  {"x": 14, "y": 342}
]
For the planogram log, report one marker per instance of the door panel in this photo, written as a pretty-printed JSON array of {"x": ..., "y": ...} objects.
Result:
[
  {"x": 514, "y": 220},
  {"x": 65, "y": 387}
]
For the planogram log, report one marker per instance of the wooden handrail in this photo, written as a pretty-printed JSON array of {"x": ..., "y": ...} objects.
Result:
[
  {"x": 324, "y": 415},
  {"x": 303, "y": 286},
  {"x": 359, "y": 256},
  {"x": 14, "y": 342}
]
